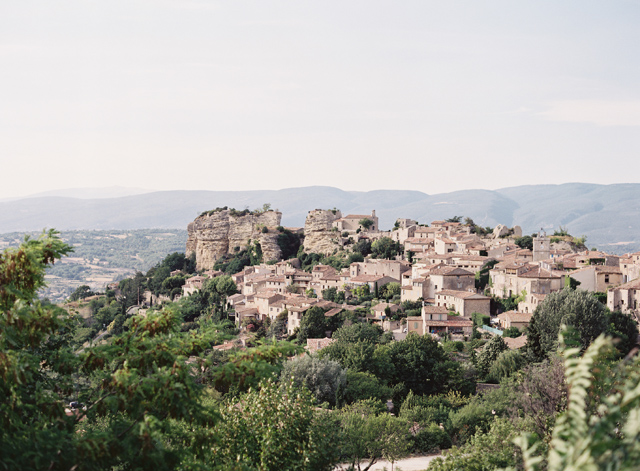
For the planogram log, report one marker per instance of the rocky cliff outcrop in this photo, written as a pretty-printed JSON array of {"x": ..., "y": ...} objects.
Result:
[
  {"x": 319, "y": 236},
  {"x": 217, "y": 233}
]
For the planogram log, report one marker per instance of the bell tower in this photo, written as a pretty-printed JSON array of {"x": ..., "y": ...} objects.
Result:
[{"x": 541, "y": 247}]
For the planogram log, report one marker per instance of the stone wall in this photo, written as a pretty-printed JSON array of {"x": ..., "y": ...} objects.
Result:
[{"x": 213, "y": 235}]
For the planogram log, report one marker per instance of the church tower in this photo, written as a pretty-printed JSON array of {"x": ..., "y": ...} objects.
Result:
[{"x": 541, "y": 247}]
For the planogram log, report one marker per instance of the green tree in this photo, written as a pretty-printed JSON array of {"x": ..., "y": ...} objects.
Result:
[
  {"x": 390, "y": 290},
  {"x": 575, "y": 308},
  {"x": 363, "y": 247},
  {"x": 325, "y": 378},
  {"x": 274, "y": 429},
  {"x": 420, "y": 364},
  {"x": 366, "y": 223},
  {"x": 490, "y": 353},
  {"x": 81, "y": 292},
  {"x": 363, "y": 385},
  {"x": 525, "y": 242},
  {"x": 131, "y": 385},
  {"x": 312, "y": 325},
  {"x": 289, "y": 244},
  {"x": 368, "y": 437},
  {"x": 386, "y": 248},
  {"x": 506, "y": 364},
  {"x": 624, "y": 330},
  {"x": 278, "y": 328},
  {"x": 215, "y": 292},
  {"x": 484, "y": 451},
  {"x": 512, "y": 332}
]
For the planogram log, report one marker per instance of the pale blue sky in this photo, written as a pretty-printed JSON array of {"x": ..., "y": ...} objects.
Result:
[{"x": 429, "y": 96}]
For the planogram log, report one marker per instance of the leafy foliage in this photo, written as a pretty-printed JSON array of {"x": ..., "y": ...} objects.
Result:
[
  {"x": 274, "y": 428},
  {"x": 575, "y": 308},
  {"x": 606, "y": 440},
  {"x": 323, "y": 377}
]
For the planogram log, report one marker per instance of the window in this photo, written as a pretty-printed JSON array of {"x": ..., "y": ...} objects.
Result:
[
  {"x": 606, "y": 278},
  {"x": 415, "y": 325}
]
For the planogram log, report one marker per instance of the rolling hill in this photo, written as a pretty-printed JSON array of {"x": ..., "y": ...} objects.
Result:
[{"x": 609, "y": 215}]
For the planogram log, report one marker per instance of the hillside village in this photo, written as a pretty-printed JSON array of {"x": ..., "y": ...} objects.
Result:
[{"x": 446, "y": 270}]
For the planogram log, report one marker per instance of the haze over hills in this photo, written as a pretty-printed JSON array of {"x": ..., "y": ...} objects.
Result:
[{"x": 609, "y": 215}]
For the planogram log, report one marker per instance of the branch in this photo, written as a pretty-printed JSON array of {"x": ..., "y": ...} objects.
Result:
[{"x": 120, "y": 435}]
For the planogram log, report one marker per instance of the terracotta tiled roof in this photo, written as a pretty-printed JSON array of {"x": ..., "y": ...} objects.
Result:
[
  {"x": 460, "y": 294},
  {"x": 634, "y": 284},
  {"x": 516, "y": 343},
  {"x": 451, "y": 271},
  {"x": 516, "y": 316},
  {"x": 427, "y": 309},
  {"x": 449, "y": 323},
  {"x": 333, "y": 312},
  {"x": 539, "y": 273}
]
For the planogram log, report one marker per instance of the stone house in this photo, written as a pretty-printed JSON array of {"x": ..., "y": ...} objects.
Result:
[
  {"x": 245, "y": 313},
  {"x": 254, "y": 283},
  {"x": 380, "y": 308},
  {"x": 437, "y": 321},
  {"x": 351, "y": 222},
  {"x": 444, "y": 246},
  {"x": 403, "y": 233},
  {"x": 514, "y": 319},
  {"x": 298, "y": 277},
  {"x": 511, "y": 278},
  {"x": 415, "y": 291},
  {"x": 416, "y": 244},
  {"x": 374, "y": 281},
  {"x": 436, "y": 278},
  {"x": 531, "y": 302},
  {"x": 276, "y": 283},
  {"x": 625, "y": 298},
  {"x": 463, "y": 302},
  {"x": 630, "y": 269},
  {"x": 314, "y": 345},
  {"x": 264, "y": 300},
  {"x": 598, "y": 277},
  {"x": 193, "y": 284},
  {"x": 415, "y": 324},
  {"x": 389, "y": 268},
  {"x": 452, "y": 279}
]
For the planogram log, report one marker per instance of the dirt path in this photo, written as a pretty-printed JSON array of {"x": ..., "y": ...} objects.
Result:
[{"x": 417, "y": 463}]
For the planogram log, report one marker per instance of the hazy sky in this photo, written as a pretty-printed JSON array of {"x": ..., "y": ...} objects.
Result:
[{"x": 422, "y": 95}]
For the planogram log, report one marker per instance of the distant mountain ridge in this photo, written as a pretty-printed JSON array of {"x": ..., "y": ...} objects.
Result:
[{"x": 609, "y": 215}]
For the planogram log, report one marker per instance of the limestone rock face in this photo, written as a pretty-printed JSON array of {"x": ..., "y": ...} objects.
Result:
[
  {"x": 216, "y": 234},
  {"x": 500, "y": 230},
  {"x": 319, "y": 236}
]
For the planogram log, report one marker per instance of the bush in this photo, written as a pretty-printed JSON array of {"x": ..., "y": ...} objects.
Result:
[
  {"x": 507, "y": 363},
  {"x": 511, "y": 332},
  {"x": 479, "y": 413},
  {"x": 323, "y": 377},
  {"x": 430, "y": 439},
  {"x": 363, "y": 385}
]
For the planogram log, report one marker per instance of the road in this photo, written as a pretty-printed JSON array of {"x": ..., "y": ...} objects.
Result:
[{"x": 416, "y": 463}]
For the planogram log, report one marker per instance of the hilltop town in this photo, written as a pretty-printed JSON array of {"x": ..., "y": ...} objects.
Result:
[{"x": 441, "y": 273}]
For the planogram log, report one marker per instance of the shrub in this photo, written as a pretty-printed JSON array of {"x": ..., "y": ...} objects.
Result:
[
  {"x": 430, "y": 439},
  {"x": 323, "y": 377}
]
